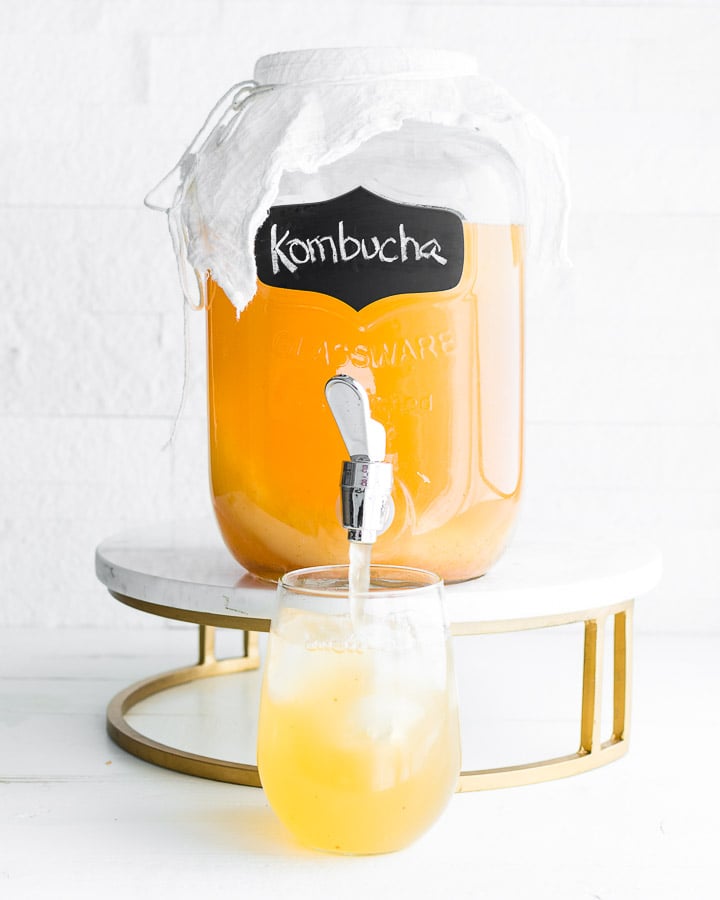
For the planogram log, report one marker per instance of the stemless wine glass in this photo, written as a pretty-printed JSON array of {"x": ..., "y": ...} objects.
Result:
[{"x": 359, "y": 741}]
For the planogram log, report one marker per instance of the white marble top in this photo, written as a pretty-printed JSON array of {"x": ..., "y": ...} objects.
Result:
[{"x": 185, "y": 566}]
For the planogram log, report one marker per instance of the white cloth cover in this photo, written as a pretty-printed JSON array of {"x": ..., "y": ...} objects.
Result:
[{"x": 306, "y": 109}]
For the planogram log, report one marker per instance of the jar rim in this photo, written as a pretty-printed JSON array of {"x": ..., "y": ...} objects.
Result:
[
  {"x": 333, "y": 581},
  {"x": 331, "y": 64}
]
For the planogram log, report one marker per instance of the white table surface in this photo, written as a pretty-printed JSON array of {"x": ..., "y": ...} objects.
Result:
[
  {"x": 185, "y": 565},
  {"x": 81, "y": 819}
]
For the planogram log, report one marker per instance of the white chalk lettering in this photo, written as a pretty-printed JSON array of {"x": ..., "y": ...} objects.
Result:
[
  {"x": 384, "y": 258},
  {"x": 433, "y": 252},
  {"x": 276, "y": 253},
  {"x": 289, "y": 253},
  {"x": 344, "y": 240},
  {"x": 404, "y": 241},
  {"x": 366, "y": 254},
  {"x": 317, "y": 242},
  {"x": 296, "y": 242}
]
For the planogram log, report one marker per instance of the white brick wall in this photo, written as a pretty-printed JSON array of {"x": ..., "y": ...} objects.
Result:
[{"x": 97, "y": 101}]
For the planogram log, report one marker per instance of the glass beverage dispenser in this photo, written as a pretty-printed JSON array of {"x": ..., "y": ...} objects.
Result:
[{"x": 364, "y": 213}]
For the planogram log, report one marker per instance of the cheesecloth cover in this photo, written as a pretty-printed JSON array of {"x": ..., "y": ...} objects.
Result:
[{"x": 306, "y": 109}]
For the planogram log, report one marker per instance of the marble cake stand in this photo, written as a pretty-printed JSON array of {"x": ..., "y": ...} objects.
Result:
[{"x": 183, "y": 571}]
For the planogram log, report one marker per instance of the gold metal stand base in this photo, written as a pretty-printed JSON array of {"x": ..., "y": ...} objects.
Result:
[
  {"x": 152, "y": 751},
  {"x": 592, "y": 752}
]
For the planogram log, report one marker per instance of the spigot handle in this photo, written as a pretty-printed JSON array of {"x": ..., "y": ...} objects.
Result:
[
  {"x": 366, "y": 485},
  {"x": 363, "y": 436}
]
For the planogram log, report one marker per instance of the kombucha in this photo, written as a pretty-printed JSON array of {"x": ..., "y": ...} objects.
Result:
[
  {"x": 443, "y": 372},
  {"x": 358, "y": 747}
]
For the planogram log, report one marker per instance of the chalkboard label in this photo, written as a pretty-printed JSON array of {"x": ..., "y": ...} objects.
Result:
[{"x": 360, "y": 247}]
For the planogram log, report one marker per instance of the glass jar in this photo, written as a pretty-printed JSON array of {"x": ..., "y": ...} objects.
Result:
[{"x": 441, "y": 360}]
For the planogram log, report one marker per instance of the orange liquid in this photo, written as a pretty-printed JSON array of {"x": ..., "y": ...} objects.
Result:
[
  {"x": 358, "y": 751},
  {"x": 443, "y": 372}
]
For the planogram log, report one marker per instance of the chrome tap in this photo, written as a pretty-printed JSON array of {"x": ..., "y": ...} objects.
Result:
[{"x": 367, "y": 480}]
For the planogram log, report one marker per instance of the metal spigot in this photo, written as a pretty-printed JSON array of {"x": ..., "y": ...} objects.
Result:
[{"x": 367, "y": 480}]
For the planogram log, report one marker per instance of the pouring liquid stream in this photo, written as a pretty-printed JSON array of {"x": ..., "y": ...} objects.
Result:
[
  {"x": 359, "y": 580},
  {"x": 366, "y": 484}
]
